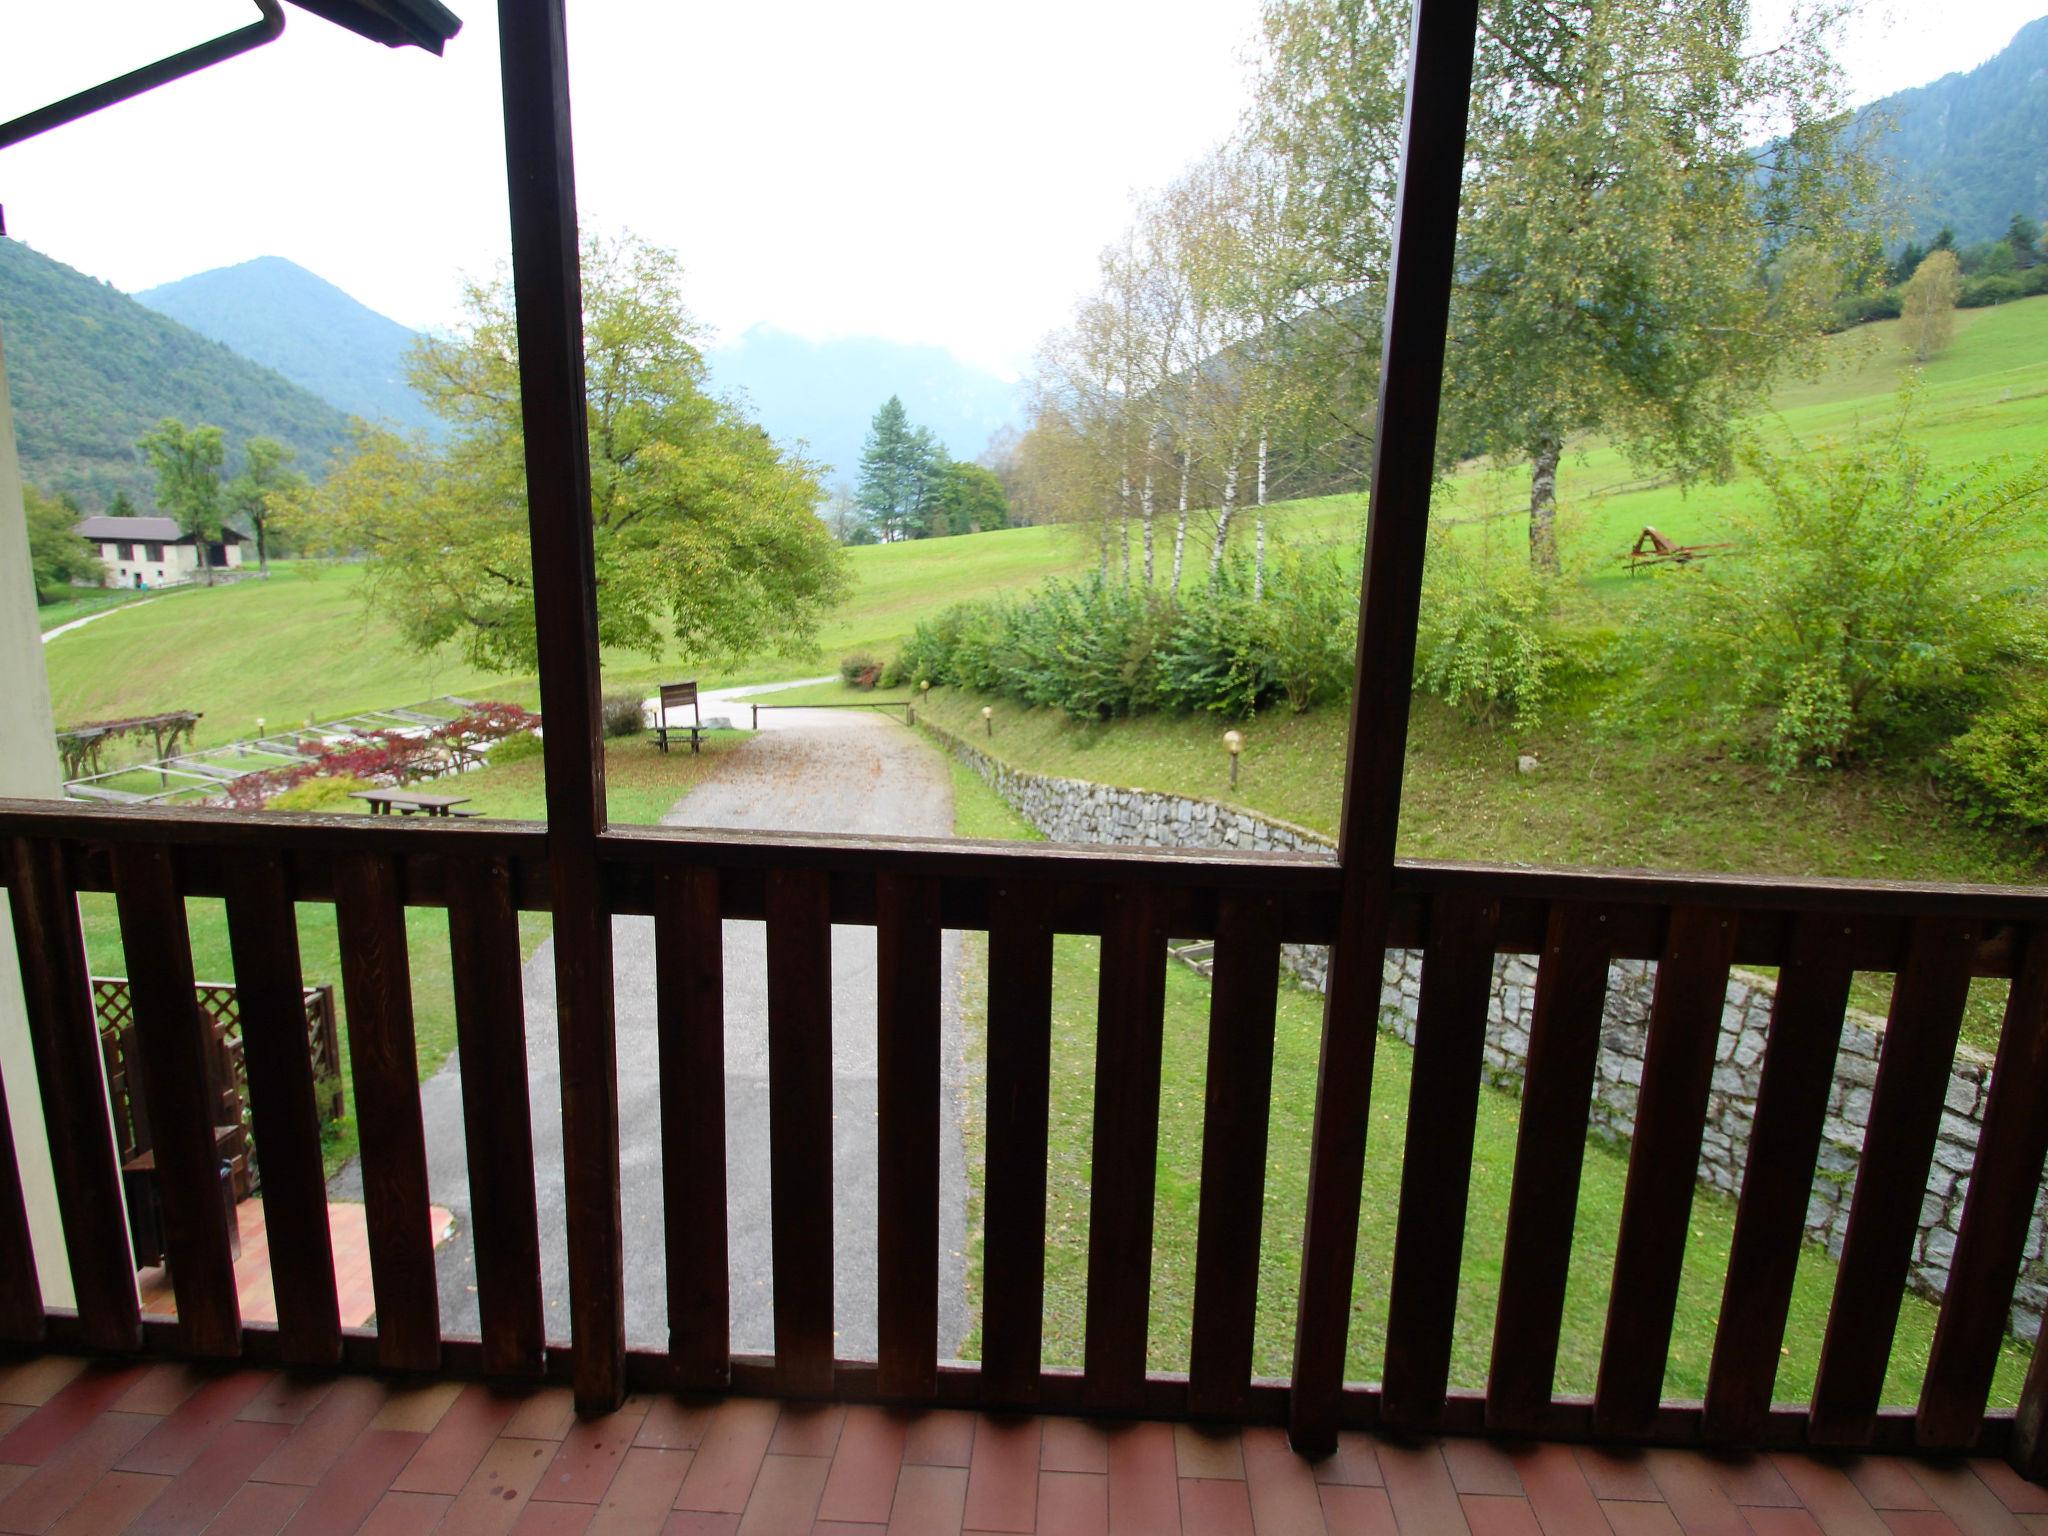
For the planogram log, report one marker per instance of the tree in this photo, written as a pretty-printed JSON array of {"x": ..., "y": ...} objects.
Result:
[
  {"x": 843, "y": 517},
  {"x": 1929, "y": 303},
  {"x": 266, "y": 486},
  {"x": 707, "y": 539},
  {"x": 2024, "y": 236},
  {"x": 899, "y": 475},
  {"x": 971, "y": 499},
  {"x": 188, "y": 487},
  {"x": 57, "y": 556}
]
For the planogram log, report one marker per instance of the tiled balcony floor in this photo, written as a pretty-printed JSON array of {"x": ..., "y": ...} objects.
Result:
[{"x": 86, "y": 1450}]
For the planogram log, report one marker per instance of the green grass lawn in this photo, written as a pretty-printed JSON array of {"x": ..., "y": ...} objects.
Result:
[
  {"x": 83, "y": 602},
  {"x": 979, "y": 812},
  {"x": 642, "y": 785}
]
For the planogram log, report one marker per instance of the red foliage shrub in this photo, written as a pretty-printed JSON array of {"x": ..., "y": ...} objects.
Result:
[{"x": 386, "y": 757}]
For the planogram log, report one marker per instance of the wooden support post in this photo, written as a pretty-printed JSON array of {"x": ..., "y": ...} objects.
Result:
[
  {"x": 548, "y": 303},
  {"x": 1397, "y": 533}
]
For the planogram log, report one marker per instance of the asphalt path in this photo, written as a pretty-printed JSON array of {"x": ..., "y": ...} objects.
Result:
[{"x": 810, "y": 771}]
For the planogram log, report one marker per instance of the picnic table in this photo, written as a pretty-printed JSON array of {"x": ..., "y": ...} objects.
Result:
[{"x": 409, "y": 802}]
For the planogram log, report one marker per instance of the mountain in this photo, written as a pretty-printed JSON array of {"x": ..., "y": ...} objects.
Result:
[
  {"x": 826, "y": 392},
  {"x": 1966, "y": 150},
  {"x": 282, "y": 316},
  {"x": 90, "y": 370}
]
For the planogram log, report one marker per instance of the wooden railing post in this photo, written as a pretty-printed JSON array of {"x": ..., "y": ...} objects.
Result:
[
  {"x": 1403, "y": 469},
  {"x": 548, "y": 301}
]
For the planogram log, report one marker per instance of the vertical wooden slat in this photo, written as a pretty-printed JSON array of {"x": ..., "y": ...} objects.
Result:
[
  {"x": 1663, "y": 1166},
  {"x": 1550, "y": 1146},
  {"x": 800, "y": 1125},
  {"x": 376, "y": 981},
  {"x": 21, "y": 1291},
  {"x": 1913, "y": 1065},
  {"x": 1770, "y": 1220},
  {"x": 1397, "y": 533},
  {"x": 71, "y": 1078},
  {"x": 1130, "y": 1022},
  {"x": 171, "y": 1034},
  {"x": 497, "y": 1125},
  {"x": 690, "y": 1019},
  {"x": 1243, "y": 994},
  {"x": 1436, "y": 1163},
  {"x": 2005, "y": 1182},
  {"x": 547, "y": 290},
  {"x": 1019, "y": 1098},
  {"x": 907, "y": 1115},
  {"x": 284, "y": 1111}
]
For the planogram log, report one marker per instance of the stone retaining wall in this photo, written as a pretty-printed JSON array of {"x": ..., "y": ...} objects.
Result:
[{"x": 1078, "y": 811}]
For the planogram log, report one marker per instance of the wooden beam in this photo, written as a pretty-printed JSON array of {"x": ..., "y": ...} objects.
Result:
[
  {"x": 1397, "y": 533},
  {"x": 547, "y": 291}
]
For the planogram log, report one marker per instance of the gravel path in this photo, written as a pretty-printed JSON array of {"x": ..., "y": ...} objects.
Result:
[{"x": 809, "y": 771}]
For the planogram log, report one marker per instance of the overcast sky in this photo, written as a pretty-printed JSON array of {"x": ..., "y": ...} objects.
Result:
[{"x": 936, "y": 171}]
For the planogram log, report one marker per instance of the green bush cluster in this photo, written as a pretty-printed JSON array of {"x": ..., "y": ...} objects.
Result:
[
  {"x": 330, "y": 793},
  {"x": 1997, "y": 770},
  {"x": 1484, "y": 645},
  {"x": 516, "y": 749},
  {"x": 1098, "y": 649},
  {"x": 623, "y": 714},
  {"x": 860, "y": 670}
]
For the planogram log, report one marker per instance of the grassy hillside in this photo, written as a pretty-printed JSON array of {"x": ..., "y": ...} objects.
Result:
[{"x": 90, "y": 370}]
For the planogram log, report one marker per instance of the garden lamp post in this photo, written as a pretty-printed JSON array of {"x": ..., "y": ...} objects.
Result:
[
  {"x": 1233, "y": 743},
  {"x": 988, "y": 721},
  {"x": 924, "y": 696}
]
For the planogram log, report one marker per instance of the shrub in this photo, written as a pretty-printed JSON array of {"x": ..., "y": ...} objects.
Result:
[
  {"x": 859, "y": 670},
  {"x": 1308, "y": 626},
  {"x": 623, "y": 714},
  {"x": 1863, "y": 593},
  {"x": 1982, "y": 292},
  {"x": 892, "y": 673},
  {"x": 1861, "y": 308},
  {"x": 1997, "y": 770},
  {"x": 323, "y": 793},
  {"x": 516, "y": 749},
  {"x": 1483, "y": 644}
]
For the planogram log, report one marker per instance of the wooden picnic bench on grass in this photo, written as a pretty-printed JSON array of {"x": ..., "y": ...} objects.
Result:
[
  {"x": 679, "y": 696},
  {"x": 409, "y": 802}
]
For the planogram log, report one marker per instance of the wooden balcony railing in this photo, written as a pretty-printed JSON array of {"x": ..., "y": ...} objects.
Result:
[{"x": 1816, "y": 933}]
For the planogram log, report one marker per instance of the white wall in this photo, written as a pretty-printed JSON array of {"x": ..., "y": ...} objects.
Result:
[{"x": 28, "y": 768}]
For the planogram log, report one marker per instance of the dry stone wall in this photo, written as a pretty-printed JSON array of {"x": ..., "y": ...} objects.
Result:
[{"x": 1078, "y": 811}]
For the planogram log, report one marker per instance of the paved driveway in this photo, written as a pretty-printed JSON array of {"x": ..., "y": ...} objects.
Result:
[{"x": 809, "y": 770}]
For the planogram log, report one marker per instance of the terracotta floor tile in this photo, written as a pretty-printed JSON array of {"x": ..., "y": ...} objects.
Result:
[
  {"x": 1002, "y": 1477},
  {"x": 1072, "y": 1445},
  {"x": 71, "y": 1469},
  {"x": 356, "y": 1483},
  {"x": 317, "y": 1441},
  {"x": 1354, "y": 1463},
  {"x": 1496, "y": 1514},
  {"x": 1560, "y": 1491},
  {"x": 1357, "y": 1509},
  {"x": 722, "y": 1476},
  {"x": 1961, "y": 1495},
  {"x": 1616, "y": 1474},
  {"x": 1687, "y": 1481},
  {"x": 288, "y": 1399},
  {"x": 490, "y": 1502},
  {"x": 807, "y": 1429},
  {"x": 1777, "y": 1520},
  {"x": 259, "y": 1509},
  {"x": 11, "y": 1415},
  {"x": 444, "y": 1463},
  {"x": 1631, "y": 1517},
  {"x": 204, "y": 1489},
  {"x": 1419, "y": 1486},
  {"x": 544, "y": 1415},
  {"x": 693, "y": 1522},
  {"x": 1282, "y": 1484},
  {"x": 1074, "y": 1503},
  {"x": 214, "y": 1404},
  {"x": 115, "y": 1499},
  {"x": 643, "y": 1493},
  {"x": 1753, "y": 1481},
  {"x": 1920, "y": 1522},
  {"x": 929, "y": 1501},
  {"x": 1887, "y": 1483},
  {"x": 846, "y": 1528},
  {"x": 785, "y": 1497},
  {"x": 1479, "y": 1466},
  {"x": 69, "y": 1410},
  {"x": 588, "y": 1460},
  {"x": 163, "y": 1387},
  {"x": 1144, "y": 1487},
  {"x": 1207, "y": 1452},
  {"x": 406, "y": 1514},
  {"x": 34, "y": 1382},
  {"x": 418, "y": 1409},
  {"x": 861, "y": 1486},
  {"x": 2014, "y": 1491},
  {"x": 1215, "y": 1506},
  {"x": 541, "y": 1519},
  {"x": 1826, "y": 1490},
  {"x": 675, "y": 1424},
  {"x": 941, "y": 1438}
]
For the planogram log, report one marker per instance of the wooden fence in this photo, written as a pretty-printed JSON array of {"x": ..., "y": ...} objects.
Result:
[{"x": 1816, "y": 932}]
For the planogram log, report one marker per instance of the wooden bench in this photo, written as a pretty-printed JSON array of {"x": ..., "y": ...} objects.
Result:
[{"x": 679, "y": 696}]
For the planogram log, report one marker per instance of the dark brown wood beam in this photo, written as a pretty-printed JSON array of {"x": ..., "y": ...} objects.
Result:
[{"x": 548, "y": 302}]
